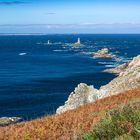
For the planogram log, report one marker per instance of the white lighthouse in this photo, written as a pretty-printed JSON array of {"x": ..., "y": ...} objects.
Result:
[
  {"x": 48, "y": 42},
  {"x": 78, "y": 43}
]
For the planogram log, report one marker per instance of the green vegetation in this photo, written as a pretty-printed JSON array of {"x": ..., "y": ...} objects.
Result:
[{"x": 119, "y": 124}]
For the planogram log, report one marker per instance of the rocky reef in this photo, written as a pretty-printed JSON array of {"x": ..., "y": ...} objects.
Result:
[
  {"x": 128, "y": 78},
  {"x": 4, "y": 121},
  {"x": 103, "y": 53}
]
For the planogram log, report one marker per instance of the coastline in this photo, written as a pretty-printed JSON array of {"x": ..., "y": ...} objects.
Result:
[
  {"x": 84, "y": 94},
  {"x": 128, "y": 79}
]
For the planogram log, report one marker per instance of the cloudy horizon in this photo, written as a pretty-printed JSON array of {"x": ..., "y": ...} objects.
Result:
[
  {"x": 71, "y": 28},
  {"x": 80, "y": 16}
]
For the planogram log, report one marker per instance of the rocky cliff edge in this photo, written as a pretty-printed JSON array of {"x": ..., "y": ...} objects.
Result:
[{"x": 129, "y": 78}]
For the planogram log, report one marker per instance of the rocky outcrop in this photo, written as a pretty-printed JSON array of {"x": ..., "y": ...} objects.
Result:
[
  {"x": 128, "y": 79},
  {"x": 4, "y": 121},
  {"x": 121, "y": 68},
  {"x": 118, "y": 69},
  {"x": 103, "y": 53},
  {"x": 82, "y": 94}
]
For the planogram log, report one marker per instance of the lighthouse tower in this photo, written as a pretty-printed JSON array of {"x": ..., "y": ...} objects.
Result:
[
  {"x": 78, "y": 43},
  {"x": 48, "y": 42}
]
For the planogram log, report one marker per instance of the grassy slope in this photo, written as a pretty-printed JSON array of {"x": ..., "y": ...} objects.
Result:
[
  {"x": 70, "y": 124},
  {"x": 122, "y": 123}
]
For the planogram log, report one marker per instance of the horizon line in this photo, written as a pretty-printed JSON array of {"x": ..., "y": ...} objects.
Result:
[
  {"x": 82, "y": 24},
  {"x": 14, "y": 34}
]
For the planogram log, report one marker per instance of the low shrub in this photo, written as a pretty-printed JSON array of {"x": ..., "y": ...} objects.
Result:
[{"x": 119, "y": 124}]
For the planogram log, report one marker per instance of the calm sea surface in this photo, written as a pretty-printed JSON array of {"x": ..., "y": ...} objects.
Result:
[{"x": 36, "y": 78}]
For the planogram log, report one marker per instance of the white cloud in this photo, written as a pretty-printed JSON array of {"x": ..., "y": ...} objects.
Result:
[{"x": 71, "y": 28}]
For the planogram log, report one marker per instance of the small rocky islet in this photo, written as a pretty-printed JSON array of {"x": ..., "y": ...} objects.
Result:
[{"x": 103, "y": 53}]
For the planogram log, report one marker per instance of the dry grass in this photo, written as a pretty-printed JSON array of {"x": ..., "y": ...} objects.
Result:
[{"x": 70, "y": 124}]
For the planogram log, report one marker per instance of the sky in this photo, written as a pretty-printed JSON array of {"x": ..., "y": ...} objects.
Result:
[{"x": 69, "y": 16}]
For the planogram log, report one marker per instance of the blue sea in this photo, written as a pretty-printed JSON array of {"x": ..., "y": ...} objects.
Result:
[{"x": 36, "y": 78}]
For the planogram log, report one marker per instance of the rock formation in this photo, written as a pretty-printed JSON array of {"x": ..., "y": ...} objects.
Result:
[
  {"x": 9, "y": 120},
  {"x": 103, "y": 53},
  {"x": 128, "y": 79},
  {"x": 81, "y": 95},
  {"x": 118, "y": 69},
  {"x": 121, "y": 68}
]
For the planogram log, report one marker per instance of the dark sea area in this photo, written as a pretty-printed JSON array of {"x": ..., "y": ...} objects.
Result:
[{"x": 36, "y": 78}]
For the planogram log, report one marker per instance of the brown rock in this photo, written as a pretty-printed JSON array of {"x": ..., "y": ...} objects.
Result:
[
  {"x": 118, "y": 69},
  {"x": 103, "y": 53}
]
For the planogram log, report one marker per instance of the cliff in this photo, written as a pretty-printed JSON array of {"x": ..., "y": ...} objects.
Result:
[{"x": 129, "y": 78}]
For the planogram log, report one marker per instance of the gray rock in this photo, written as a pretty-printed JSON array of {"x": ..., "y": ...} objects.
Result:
[
  {"x": 82, "y": 94},
  {"x": 4, "y": 121}
]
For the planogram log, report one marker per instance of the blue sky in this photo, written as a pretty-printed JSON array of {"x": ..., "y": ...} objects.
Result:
[{"x": 62, "y": 16}]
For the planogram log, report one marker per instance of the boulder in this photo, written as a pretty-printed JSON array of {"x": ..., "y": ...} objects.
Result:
[{"x": 4, "y": 121}]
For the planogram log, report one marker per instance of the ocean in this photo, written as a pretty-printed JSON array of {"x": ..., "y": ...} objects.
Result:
[{"x": 36, "y": 78}]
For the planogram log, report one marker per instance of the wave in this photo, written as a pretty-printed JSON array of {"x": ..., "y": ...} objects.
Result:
[
  {"x": 110, "y": 66},
  {"x": 60, "y": 50},
  {"x": 86, "y": 53},
  {"x": 51, "y": 43},
  {"x": 21, "y": 54},
  {"x": 104, "y": 63}
]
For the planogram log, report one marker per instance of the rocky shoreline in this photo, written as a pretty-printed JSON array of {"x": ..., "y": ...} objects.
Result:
[
  {"x": 128, "y": 78},
  {"x": 117, "y": 70}
]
